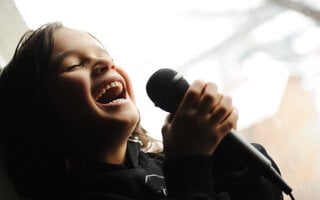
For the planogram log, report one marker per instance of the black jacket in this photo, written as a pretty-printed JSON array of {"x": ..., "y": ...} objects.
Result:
[{"x": 148, "y": 176}]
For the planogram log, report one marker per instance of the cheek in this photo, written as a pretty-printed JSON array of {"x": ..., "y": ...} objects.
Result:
[
  {"x": 128, "y": 82},
  {"x": 68, "y": 93}
]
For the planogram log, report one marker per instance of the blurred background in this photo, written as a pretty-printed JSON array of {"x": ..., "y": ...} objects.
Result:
[{"x": 264, "y": 53}]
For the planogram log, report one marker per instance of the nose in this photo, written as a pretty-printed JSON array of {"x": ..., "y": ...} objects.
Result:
[{"x": 103, "y": 67}]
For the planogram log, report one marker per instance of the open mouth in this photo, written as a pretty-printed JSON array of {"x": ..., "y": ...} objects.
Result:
[{"x": 111, "y": 92}]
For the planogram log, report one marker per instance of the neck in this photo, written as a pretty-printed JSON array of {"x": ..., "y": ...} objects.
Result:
[
  {"x": 115, "y": 155},
  {"x": 111, "y": 152}
]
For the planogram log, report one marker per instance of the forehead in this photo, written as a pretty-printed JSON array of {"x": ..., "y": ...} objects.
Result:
[{"x": 66, "y": 38}]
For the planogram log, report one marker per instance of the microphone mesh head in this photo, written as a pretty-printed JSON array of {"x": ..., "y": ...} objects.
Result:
[{"x": 166, "y": 89}]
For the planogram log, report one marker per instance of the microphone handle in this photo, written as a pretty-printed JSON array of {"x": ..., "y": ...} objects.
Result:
[{"x": 255, "y": 160}]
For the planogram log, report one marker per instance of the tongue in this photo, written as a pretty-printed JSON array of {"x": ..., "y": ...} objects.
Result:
[{"x": 110, "y": 95}]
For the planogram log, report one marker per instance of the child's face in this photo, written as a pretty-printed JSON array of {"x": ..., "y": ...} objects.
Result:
[{"x": 88, "y": 91}]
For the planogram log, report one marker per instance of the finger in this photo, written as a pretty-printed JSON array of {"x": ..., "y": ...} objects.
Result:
[
  {"x": 166, "y": 125},
  {"x": 164, "y": 130},
  {"x": 222, "y": 110},
  {"x": 192, "y": 95},
  {"x": 209, "y": 99},
  {"x": 230, "y": 122},
  {"x": 169, "y": 118}
]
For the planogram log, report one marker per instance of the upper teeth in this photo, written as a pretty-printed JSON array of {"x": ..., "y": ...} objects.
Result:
[{"x": 108, "y": 86}]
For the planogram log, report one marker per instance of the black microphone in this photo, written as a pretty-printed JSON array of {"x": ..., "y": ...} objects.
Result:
[{"x": 166, "y": 88}]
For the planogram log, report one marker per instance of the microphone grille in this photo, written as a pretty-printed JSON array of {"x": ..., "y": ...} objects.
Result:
[{"x": 166, "y": 89}]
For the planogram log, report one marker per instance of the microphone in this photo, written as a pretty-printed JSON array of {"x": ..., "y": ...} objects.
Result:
[{"x": 166, "y": 88}]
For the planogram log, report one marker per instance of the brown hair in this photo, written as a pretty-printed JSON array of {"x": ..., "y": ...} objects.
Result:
[{"x": 33, "y": 155}]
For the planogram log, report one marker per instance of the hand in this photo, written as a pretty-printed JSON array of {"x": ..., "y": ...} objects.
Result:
[{"x": 202, "y": 120}]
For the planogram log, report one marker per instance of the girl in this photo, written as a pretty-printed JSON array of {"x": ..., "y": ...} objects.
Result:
[{"x": 73, "y": 131}]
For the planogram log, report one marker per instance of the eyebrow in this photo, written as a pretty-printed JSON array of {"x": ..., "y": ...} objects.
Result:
[{"x": 58, "y": 60}]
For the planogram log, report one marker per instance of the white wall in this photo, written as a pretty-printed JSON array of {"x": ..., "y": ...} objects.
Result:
[{"x": 12, "y": 27}]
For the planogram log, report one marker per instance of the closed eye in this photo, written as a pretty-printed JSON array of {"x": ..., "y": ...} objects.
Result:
[{"x": 73, "y": 67}]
